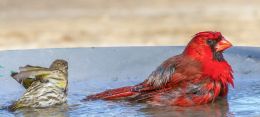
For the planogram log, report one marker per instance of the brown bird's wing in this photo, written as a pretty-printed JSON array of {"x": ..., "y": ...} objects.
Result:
[
  {"x": 25, "y": 72},
  {"x": 26, "y": 78},
  {"x": 19, "y": 77},
  {"x": 30, "y": 68}
]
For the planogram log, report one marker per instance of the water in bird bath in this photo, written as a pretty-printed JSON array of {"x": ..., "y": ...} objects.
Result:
[{"x": 92, "y": 70}]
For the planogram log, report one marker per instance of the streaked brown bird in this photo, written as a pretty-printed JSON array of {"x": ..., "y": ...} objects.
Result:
[{"x": 45, "y": 87}]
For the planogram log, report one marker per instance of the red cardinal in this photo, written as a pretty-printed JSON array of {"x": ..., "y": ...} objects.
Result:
[{"x": 197, "y": 76}]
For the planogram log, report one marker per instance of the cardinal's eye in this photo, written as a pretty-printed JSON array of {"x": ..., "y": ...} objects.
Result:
[{"x": 211, "y": 42}]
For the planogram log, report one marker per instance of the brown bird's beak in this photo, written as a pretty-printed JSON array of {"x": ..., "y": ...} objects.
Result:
[{"x": 223, "y": 45}]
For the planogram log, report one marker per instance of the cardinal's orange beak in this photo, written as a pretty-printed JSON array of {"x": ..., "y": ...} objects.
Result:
[{"x": 223, "y": 45}]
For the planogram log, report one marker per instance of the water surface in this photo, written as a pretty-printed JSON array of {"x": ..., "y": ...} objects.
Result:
[{"x": 92, "y": 70}]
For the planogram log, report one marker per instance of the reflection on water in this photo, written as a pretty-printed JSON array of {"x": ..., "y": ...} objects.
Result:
[
  {"x": 218, "y": 109},
  {"x": 244, "y": 100},
  {"x": 58, "y": 111}
]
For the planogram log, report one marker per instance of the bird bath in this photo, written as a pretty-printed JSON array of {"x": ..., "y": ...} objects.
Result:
[{"x": 92, "y": 70}]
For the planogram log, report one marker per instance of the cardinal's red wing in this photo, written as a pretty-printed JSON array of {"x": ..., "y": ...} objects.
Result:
[{"x": 158, "y": 78}]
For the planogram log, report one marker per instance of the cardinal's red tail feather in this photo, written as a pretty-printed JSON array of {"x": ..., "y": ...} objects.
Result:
[{"x": 113, "y": 94}]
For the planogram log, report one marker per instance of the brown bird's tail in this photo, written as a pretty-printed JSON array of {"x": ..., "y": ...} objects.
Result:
[{"x": 114, "y": 94}]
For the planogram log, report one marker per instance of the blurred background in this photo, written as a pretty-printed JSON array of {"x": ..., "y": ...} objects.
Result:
[{"x": 26, "y": 24}]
